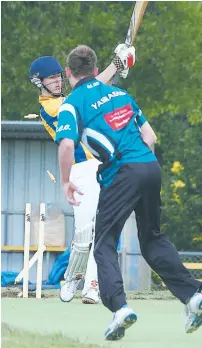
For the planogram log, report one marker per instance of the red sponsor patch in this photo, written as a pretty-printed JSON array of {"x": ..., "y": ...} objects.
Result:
[
  {"x": 130, "y": 60},
  {"x": 120, "y": 117}
]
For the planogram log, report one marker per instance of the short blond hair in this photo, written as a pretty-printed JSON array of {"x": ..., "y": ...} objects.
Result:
[{"x": 82, "y": 61}]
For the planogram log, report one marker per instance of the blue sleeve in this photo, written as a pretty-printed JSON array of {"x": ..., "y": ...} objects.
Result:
[
  {"x": 67, "y": 123},
  {"x": 140, "y": 118}
]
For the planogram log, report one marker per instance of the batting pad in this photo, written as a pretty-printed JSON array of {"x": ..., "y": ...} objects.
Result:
[{"x": 79, "y": 254}]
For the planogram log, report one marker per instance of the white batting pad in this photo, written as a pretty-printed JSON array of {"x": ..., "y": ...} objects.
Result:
[
  {"x": 85, "y": 235},
  {"x": 79, "y": 254}
]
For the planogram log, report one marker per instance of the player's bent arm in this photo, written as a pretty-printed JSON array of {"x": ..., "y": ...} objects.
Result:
[
  {"x": 66, "y": 136},
  {"x": 66, "y": 157},
  {"x": 107, "y": 75},
  {"x": 148, "y": 134}
]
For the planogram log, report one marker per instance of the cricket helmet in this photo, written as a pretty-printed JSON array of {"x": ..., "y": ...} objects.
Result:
[{"x": 43, "y": 67}]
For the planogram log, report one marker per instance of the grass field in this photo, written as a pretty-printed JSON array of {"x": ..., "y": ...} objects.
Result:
[{"x": 49, "y": 323}]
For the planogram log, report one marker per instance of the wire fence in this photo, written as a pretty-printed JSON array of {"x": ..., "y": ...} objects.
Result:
[
  {"x": 138, "y": 276},
  {"x": 140, "y": 281},
  {"x": 191, "y": 260}
]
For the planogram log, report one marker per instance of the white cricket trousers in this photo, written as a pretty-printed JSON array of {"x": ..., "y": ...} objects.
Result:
[{"x": 83, "y": 176}]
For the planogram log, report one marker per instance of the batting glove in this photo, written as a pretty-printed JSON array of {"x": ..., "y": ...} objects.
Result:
[
  {"x": 125, "y": 57},
  {"x": 124, "y": 73},
  {"x": 120, "y": 47}
]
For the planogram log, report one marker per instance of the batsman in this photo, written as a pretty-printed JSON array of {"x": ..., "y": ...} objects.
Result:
[{"x": 47, "y": 74}]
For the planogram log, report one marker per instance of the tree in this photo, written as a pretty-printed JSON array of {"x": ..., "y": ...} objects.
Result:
[
  {"x": 31, "y": 29},
  {"x": 179, "y": 153}
]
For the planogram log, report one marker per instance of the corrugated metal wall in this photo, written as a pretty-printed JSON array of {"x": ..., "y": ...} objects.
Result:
[{"x": 24, "y": 179}]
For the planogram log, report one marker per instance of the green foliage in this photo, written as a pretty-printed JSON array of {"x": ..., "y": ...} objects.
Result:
[
  {"x": 33, "y": 29},
  {"x": 166, "y": 81},
  {"x": 182, "y": 206},
  {"x": 168, "y": 74}
]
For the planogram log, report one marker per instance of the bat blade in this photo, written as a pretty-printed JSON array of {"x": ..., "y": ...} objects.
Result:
[{"x": 136, "y": 18}]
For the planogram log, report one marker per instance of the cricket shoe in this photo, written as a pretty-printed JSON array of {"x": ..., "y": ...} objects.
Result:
[
  {"x": 122, "y": 320},
  {"x": 68, "y": 290},
  {"x": 92, "y": 294},
  {"x": 193, "y": 312},
  {"x": 91, "y": 297}
]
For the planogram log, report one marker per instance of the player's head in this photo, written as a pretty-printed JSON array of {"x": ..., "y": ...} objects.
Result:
[
  {"x": 81, "y": 62},
  {"x": 46, "y": 74}
]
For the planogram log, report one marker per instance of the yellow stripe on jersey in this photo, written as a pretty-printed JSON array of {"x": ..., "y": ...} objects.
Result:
[
  {"x": 51, "y": 104},
  {"x": 82, "y": 154},
  {"x": 48, "y": 112}
]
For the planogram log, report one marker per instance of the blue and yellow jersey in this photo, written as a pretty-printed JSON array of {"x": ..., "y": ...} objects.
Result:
[{"x": 49, "y": 107}]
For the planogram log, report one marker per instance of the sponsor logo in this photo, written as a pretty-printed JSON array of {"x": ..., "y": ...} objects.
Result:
[
  {"x": 63, "y": 128},
  {"x": 120, "y": 117},
  {"x": 94, "y": 284}
]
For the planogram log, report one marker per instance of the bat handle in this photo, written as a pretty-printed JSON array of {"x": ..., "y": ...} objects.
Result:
[{"x": 115, "y": 79}]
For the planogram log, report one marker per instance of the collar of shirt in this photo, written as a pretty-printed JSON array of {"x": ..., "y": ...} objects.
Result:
[
  {"x": 45, "y": 98},
  {"x": 84, "y": 80},
  {"x": 48, "y": 97}
]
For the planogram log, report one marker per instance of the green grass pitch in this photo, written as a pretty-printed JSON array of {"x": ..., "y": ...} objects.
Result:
[{"x": 49, "y": 323}]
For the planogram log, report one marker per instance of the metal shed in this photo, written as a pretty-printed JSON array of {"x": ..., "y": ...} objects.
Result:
[{"x": 27, "y": 153}]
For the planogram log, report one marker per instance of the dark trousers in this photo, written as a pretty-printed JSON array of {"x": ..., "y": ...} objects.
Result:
[{"x": 136, "y": 187}]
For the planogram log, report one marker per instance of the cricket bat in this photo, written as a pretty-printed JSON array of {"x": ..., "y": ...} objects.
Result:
[{"x": 135, "y": 21}]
